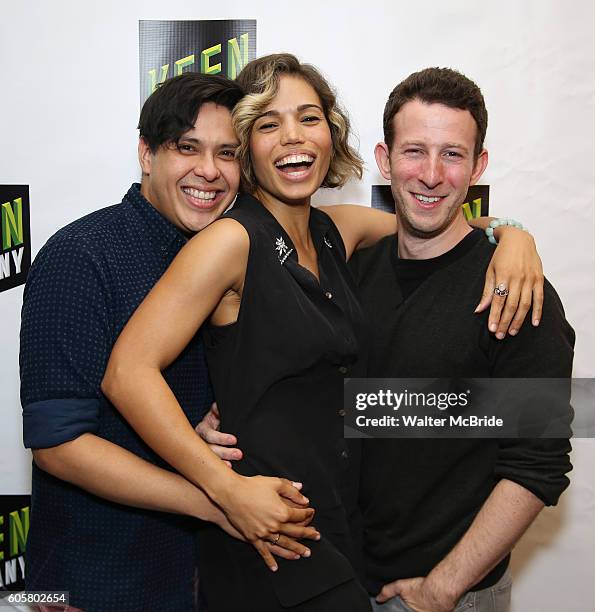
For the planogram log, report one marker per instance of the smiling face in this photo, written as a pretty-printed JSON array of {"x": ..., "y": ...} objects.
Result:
[
  {"x": 291, "y": 144},
  {"x": 430, "y": 165},
  {"x": 192, "y": 182}
]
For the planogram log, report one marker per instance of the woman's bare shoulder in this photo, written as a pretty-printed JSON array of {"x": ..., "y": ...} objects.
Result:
[{"x": 224, "y": 235}]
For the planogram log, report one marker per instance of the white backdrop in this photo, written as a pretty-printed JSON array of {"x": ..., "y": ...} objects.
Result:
[{"x": 69, "y": 108}]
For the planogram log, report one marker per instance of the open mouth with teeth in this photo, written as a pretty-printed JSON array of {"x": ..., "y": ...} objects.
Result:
[
  {"x": 427, "y": 202},
  {"x": 295, "y": 165},
  {"x": 200, "y": 198}
]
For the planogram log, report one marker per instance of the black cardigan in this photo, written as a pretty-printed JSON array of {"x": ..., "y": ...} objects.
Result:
[{"x": 419, "y": 496}]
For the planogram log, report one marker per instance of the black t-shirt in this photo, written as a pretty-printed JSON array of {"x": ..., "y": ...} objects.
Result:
[{"x": 413, "y": 272}]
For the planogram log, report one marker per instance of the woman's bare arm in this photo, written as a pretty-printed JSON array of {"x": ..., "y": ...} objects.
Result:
[
  {"x": 360, "y": 226},
  {"x": 209, "y": 266},
  {"x": 515, "y": 263}
]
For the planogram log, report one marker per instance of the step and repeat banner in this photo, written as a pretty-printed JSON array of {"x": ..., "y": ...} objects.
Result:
[
  {"x": 16, "y": 242},
  {"x": 169, "y": 48},
  {"x": 73, "y": 79}
]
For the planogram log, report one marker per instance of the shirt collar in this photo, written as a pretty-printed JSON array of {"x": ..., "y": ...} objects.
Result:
[
  {"x": 162, "y": 230},
  {"x": 319, "y": 224}
]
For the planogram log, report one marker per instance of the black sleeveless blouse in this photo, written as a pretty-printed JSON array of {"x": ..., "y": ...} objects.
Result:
[{"x": 277, "y": 373}]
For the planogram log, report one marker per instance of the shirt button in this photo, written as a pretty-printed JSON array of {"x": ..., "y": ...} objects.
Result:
[
  {"x": 343, "y": 370},
  {"x": 329, "y": 295},
  {"x": 341, "y": 412}
]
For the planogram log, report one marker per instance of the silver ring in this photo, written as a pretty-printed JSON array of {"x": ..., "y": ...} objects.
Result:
[
  {"x": 501, "y": 290},
  {"x": 276, "y": 539}
]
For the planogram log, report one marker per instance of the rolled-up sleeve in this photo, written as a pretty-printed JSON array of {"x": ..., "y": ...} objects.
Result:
[
  {"x": 51, "y": 422},
  {"x": 66, "y": 338},
  {"x": 538, "y": 465}
]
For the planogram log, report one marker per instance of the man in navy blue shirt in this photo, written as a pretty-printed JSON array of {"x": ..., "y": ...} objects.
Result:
[{"x": 110, "y": 522}]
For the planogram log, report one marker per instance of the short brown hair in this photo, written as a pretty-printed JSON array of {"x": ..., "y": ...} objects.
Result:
[
  {"x": 260, "y": 80},
  {"x": 438, "y": 86}
]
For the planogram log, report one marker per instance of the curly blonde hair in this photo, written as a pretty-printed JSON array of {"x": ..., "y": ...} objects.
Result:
[{"x": 260, "y": 81}]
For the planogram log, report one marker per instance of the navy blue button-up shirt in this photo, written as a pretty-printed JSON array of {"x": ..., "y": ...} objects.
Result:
[{"x": 82, "y": 288}]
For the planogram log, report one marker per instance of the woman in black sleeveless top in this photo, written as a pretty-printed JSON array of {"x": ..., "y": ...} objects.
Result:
[
  {"x": 284, "y": 328},
  {"x": 278, "y": 369},
  {"x": 278, "y": 377}
]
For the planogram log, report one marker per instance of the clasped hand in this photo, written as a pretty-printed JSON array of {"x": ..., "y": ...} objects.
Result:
[{"x": 268, "y": 512}]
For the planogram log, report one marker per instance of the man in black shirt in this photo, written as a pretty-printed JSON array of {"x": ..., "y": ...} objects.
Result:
[{"x": 442, "y": 515}]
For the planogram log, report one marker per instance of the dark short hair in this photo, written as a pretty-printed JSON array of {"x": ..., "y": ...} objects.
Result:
[
  {"x": 438, "y": 86},
  {"x": 171, "y": 110}
]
